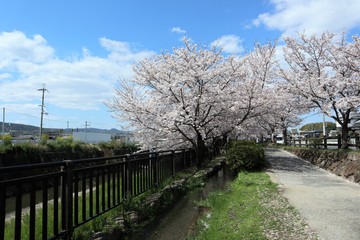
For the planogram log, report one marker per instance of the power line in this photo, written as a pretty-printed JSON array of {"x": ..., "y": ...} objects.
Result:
[
  {"x": 25, "y": 114},
  {"x": 67, "y": 123}
]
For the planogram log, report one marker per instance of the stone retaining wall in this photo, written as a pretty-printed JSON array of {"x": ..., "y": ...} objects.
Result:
[{"x": 345, "y": 164}]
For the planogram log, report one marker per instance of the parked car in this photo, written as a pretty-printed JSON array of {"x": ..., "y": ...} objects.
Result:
[{"x": 279, "y": 140}]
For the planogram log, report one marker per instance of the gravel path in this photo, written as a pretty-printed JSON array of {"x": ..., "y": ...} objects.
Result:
[{"x": 329, "y": 204}]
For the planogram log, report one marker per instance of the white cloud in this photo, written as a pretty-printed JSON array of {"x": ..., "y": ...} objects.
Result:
[
  {"x": 15, "y": 46},
  {"x": 5, "y": 75},
  {"x": 82, "y": 83},
  {"x": 231, "y": 44},
  {"x": 314, "y": 16},
  {"x": 122, "y": 51},
  {"x": 178, "y": 30}
]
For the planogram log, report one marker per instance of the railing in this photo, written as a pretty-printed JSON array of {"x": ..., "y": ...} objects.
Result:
[
  {"x": 328, "y": 142},
  {"x": 70, "y": 193}
]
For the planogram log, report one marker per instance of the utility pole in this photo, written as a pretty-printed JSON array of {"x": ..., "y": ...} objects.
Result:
[
  {"x": 324, "y": 126},
  {"x": 43, "y": 90},
  {"x": 86, "y": 125},
  {"x": 3, "y": 123}
]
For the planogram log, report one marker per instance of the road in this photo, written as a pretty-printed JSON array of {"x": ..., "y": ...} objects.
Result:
[{"x": 330, "y": 204}]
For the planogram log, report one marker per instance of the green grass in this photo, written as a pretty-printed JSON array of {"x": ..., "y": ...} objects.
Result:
[
  {"x": 236, "y": 213},
  {"x": 251, "y": 209},
  {"x": 10, "y": 225}
]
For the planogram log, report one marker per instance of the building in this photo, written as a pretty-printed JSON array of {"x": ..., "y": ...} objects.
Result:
[
  {"x": 354, "y": 123},
  {"x": 91, "y": 137}
]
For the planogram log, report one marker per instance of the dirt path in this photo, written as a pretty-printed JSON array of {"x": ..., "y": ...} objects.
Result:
[{"x": 330, "y": 204}]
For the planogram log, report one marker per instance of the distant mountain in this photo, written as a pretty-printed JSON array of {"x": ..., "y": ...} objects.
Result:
[
  {"x": 112, "y": 131},
  {"x": 17, "y": 128},
  {"x": 23, "y": 129}
]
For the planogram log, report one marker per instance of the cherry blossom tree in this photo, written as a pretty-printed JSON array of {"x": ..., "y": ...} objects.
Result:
[
  {"x": 284, "y": 112},
  {"x": 325, "y": 71},
  {"x": 192, "y": 96},
  {"x": 256, "y": 88}
]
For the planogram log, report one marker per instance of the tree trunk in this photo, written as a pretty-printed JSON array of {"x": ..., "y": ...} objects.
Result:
[
  {"x": 200, "y": 151},
  {"x": 344, "y": 136},
  {"x": 272, "y": 135},
  {"x": 218, "y": 143},
  {"x": 285, "y": 136}
]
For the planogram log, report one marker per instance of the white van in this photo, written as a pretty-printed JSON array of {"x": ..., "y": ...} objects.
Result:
[{"x": 279, "y": 140}]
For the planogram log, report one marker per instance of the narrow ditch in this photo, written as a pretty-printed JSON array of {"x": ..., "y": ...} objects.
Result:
[{"x": 180, "y": 220}]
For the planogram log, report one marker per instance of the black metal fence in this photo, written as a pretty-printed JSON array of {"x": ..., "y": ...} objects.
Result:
[
  {"x": 64, "y": 195},
  {"x": 327, "y": 142}
]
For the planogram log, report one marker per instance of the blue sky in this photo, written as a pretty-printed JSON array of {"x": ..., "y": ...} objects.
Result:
[{"x": 79, "y": 49}]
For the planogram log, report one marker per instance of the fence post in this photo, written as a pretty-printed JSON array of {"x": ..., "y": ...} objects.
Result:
[
  {"x": 183, "y": 158},
  {"x": 357, "y": 142},
  {"x": 339, "y": 141},
  {"x": 2, "y": 212},
  {"x": 67, "y": 198},
  {"x": 190, "y": 157},
  {"x": 155, "y": 169},
  {"x": 172, "y": 162},
  {"x": 128, "y": 176},
  {"x": 325, "y": 142}
]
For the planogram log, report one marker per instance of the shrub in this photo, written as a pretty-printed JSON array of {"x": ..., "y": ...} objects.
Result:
[
  {"x": 233, "y": 143},
  {"x": 245, "y": 155},
  {"x": 315, "y": 142},
  {"x": 64, "y": 143},
  {"x": 7, "y": 140},
  {"x": 117, "y": 147},
  {"x": 43, "y": 139}
]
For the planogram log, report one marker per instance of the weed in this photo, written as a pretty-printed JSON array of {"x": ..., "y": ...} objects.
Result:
[{"x": 253, "y": 209}]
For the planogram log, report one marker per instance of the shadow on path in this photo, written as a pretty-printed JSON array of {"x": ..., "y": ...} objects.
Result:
[{"x": 286, "y": 161}]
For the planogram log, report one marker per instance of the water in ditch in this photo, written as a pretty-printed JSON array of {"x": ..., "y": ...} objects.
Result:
[{"x": 180, "y": 220}]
